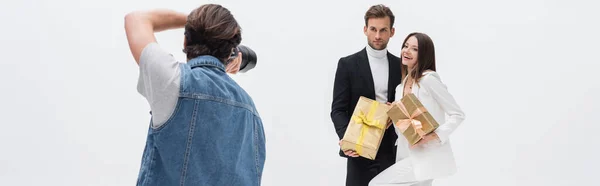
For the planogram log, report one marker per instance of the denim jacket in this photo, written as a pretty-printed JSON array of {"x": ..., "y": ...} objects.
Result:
[{"x": 214, "y": 137}]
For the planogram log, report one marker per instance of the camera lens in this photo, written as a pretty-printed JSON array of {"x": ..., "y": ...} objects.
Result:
[{"x": 248, "y": 58}]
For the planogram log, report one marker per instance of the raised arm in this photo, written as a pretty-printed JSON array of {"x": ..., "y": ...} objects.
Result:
[{"x": 140, "y": 27}]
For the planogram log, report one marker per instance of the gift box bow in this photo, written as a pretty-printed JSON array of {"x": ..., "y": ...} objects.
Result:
[
  {"x": 367, "y": 121},
  {"x": 403, "y": 124}
]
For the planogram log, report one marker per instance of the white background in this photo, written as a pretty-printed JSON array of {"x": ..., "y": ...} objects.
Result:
[{"x": 524, "y": 73}]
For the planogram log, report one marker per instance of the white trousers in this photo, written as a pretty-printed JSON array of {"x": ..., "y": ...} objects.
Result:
[{"x": 401, "y": 173}]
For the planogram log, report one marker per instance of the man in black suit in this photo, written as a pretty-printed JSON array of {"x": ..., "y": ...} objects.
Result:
[{"x": 372, "y": 72}]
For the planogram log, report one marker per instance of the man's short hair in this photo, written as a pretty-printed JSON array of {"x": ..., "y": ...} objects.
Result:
[
  {"x": 379, "y": 11},
  {"x": 212, "y": 30}
]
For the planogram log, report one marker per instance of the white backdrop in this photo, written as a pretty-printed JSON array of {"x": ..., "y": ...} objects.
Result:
[{"x": 522, "y": 71}]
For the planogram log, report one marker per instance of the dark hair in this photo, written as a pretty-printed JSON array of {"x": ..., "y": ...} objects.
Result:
[
  {"x": 379, "y": 11},
  {"x": 211, "y": 30},
  {"x": 425, "y": 56}
]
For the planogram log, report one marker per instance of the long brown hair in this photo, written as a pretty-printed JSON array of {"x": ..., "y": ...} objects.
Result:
[
  {"x": 425, "y": 56},
  {"x": 211, "y": 30}
]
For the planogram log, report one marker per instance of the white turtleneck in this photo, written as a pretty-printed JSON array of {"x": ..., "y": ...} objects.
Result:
[{"x": 379, "y": 64}]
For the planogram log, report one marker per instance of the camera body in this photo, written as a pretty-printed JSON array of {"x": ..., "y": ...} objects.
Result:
[{"x": 248, "y": 57}]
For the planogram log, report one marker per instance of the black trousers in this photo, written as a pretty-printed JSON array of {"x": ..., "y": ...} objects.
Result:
[{"x": 361, "y": 170}]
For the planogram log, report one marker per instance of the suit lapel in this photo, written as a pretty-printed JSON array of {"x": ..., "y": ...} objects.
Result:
[
  {"x": 365, "y": 73},
  {"x": 394, "y": 76}
]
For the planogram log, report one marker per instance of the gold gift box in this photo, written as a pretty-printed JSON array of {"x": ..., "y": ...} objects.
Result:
[
  {"x": 412, "y": 119},
  {"x": 366, "y": 128}
]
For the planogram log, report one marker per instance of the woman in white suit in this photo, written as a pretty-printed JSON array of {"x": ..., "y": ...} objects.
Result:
[{"x": 432, "y": 157}]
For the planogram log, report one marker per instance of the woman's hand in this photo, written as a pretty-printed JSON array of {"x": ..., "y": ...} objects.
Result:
[
  {"x": 389, "y": 121},
  {"x": 426, "y": 139}
]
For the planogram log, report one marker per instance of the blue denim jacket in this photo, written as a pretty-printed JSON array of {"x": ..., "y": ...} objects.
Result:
[{"x": 214, "y": 137}]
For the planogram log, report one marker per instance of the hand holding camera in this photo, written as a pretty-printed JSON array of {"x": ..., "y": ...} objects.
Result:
[
  {"x": 233, "y": 67},
  {"x": 242, "y": 59}
]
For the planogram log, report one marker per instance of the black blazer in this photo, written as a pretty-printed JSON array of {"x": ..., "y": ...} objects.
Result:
[{"x": 353, "y": 79}]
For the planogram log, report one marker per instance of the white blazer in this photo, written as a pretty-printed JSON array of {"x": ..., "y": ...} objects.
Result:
[{"x": 435, "y": 159}]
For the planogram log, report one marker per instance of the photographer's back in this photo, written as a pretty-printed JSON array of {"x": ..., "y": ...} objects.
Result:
[{"x": 205, "y": 128}]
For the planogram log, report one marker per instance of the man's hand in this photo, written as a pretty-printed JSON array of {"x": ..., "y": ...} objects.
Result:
[
  {"x": 234, "y": 66},
  {"x": 426, "y": 139},
  {"x": 350, "y": 153},
  {"x": 141, "y": 25}
]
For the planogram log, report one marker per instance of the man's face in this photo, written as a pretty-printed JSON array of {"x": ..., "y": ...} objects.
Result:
[{"x": 379, "y": 32}]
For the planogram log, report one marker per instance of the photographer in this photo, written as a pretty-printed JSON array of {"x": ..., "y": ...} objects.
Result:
[{"x": 205, "y": 129}]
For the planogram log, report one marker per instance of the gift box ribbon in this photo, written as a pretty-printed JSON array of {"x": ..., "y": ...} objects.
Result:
[
  {"x": 403, "y": 124},
  {"x": 367, "y": 121}
]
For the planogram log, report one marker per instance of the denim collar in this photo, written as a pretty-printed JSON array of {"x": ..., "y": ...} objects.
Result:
[{"x": 206, "y": 60}]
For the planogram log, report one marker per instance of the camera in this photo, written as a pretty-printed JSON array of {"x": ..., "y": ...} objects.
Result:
[{"x": 248, "y": 57}]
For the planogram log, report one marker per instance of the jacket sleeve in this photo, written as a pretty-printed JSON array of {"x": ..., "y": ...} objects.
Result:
[
  {"x": 442, "y": 96},
  {"x": 341, "y": 99}
]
